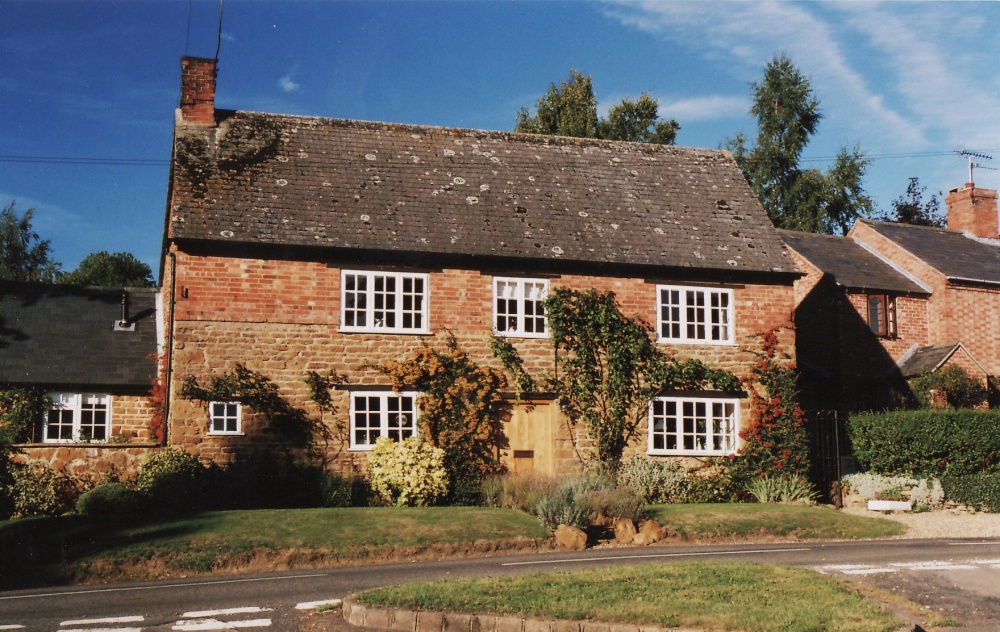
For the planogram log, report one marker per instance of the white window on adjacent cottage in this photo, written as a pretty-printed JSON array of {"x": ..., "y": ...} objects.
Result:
[
  {"x": 693, "y": 426},
  {"x": 77, "y": 417},
  {"x": 695, "y": 314},
  {"x": 517, "y": 307},
  {"x": 382, "y": 414},
  {"x": 225, "y": 418},
  {"x": 383, "y": 302}
]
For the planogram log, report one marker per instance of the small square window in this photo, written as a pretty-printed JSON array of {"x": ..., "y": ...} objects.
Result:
[
  {"x": 383, "y": 302},
  {"x": 225, "y": 418},
  {"x": 695, "y": 315},
  {"x": 77, "y": 417},
  {"x": 382, "y": 414},
  {"x": 693, "y": 426},
  {"x": 517, "y": 307}
]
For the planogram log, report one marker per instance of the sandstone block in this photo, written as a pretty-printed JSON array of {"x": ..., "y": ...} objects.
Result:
[
  {"x": 570, "y": 538},
  {"x": 624, "y": 530}
]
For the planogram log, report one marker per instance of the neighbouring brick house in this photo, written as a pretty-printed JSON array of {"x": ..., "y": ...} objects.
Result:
[
  {"x": 297, "y": 244},
  {"x": 891, "y": 301},
  {"x": 93, "y": 350}
]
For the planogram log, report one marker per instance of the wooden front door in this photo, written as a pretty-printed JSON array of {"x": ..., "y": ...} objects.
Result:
[{"x": 531, "y": 435}]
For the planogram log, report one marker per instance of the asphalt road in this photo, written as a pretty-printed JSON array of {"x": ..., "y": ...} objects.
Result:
[{"x": 957, "y": 578}]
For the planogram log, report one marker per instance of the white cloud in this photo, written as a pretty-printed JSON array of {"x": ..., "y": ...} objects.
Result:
[
  {"x": 287, "y": 84},
  {"x": 704, "y": 108}
]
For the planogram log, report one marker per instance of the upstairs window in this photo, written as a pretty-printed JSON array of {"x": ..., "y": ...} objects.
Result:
[
  {"x": 77, "y": 417},
  {"x": 882, "y": 315},
  {"x": 383, "y": 302},
  {"x": 382, "y": 414},
  {"x": 693, "y": 426},
  {"x": 517, "y": 307},
  {"x": 225, "y": 418},
  {"x": 695, "y": 314}
]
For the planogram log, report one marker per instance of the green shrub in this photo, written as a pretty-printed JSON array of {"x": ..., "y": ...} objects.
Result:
[
  {"x": 782, "y": 489},
  {"x": 112, "y": 500},
  {"x": 347, "y": 490},
  {"x": 925, "y": 493},
  {"x": 522, "y": 492},
  {"x": 173, "y": 480},
  {"x": 264, "y": 480},
  {"x": 655, "y": 481},
  {"x": 612, "y": 504},
  {"x": 978, "y": 491},
  {"x": 927, "y": 443},
  {"x": 715, "y": 484},
  {"x": 562, "y": 506},
  {"x": 37, "y": 490},
  {"x": 408, "y": 473},
  {"x": 953, "y": 384}
]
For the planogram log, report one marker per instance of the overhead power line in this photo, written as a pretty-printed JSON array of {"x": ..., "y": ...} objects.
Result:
[
  {"x": 918, "y": 154},
  {"x": 80, "y": 160}
]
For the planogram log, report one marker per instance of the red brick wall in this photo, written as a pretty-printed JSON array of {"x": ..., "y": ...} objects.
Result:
[{"x": 282, "y": 318}]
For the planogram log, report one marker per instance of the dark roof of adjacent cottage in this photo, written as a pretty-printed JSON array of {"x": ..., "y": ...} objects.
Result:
[
  {"x": 331, "y": 183},
  {"x": 928, "y": 359},
  {"x": 953, "y": 254},
  {"x": 847, "y": 263},
  {"x": 62, "y": 335}
]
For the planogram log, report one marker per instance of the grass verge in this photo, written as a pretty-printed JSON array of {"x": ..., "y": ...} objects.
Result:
[
  {"x": 705, "y": 595},
  {"x": 73, "y": 548},
  {"x": 713, "y": 521}
]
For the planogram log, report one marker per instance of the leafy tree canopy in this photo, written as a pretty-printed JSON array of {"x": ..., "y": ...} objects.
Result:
[
  {"x": 23, "y": 255},
  {"x": 911, "y": 208},
  {"x": 788, "y": 114},
  {"x": 119, "y": 269},
  {"x": 570, "y": 109}
]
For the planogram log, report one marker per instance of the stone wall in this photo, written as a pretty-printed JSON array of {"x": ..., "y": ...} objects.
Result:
[{"x": 282, "y": 319}]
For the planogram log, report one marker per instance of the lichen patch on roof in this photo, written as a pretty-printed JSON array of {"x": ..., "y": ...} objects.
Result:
[{"x": 291, "y": 180}]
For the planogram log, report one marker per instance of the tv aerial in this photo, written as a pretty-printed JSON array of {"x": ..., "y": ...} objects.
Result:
[{"x": 971, "y": 155}]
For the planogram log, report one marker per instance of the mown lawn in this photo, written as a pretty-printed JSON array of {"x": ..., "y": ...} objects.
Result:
[
  {"x": 786, "y": 521},
  {"x": 701, "y": 595}
]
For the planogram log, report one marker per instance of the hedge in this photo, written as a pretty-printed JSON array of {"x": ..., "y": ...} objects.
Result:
[
  {"x": 979, "y": 491},
  {"x": 933, "y": 443}
]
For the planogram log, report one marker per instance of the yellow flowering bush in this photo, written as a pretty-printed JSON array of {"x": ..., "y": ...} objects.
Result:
[{"x": 408, "y": 473}]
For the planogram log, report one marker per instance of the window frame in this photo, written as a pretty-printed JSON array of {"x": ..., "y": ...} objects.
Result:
[
  {"x": 383, "y": 412},
  {"x": 399, "y": 311},
  {"x": 683, "y": 310},
  {"x": 74, "y": 403},
  {"x": 730, "y": 436},
  {"x": 520, "y": 299},
  {"x": 212, "y": 419},
  {"x": 887, "y": 320}
]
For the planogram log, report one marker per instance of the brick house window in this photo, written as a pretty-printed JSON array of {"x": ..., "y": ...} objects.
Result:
[
  {"x": 517, "y": 307},
  {"x": 383, "y": 302},
  {"x": 881, "y": 310},
  {"x": 382, "y": 414},
  {"x": 695, "y": 314},
  {"x": 225, "y": 418},
  {"x": 693, "y": 426},
  {"x": 77, "y": 417}
]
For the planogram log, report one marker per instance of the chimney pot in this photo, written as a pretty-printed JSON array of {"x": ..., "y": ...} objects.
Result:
[{"x": 198, "y": 90}]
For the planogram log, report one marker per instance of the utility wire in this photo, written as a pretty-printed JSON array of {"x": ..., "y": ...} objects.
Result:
[{"x": 71, "y": 160}]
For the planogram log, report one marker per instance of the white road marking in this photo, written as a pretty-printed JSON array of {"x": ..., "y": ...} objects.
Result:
[
  {"x": 131, "y": 619},
  {"x": 311, "y": 605},
  {"x": 651, "y": 556},
  {"x": 11, "y": 626},
  {"x": 203, "y": 614},
  {"x": 933, "y": 566},
  {"x": 100, "y": 629},
  {"x": 855, "y": 569},
  {"x": 980, "y": 543},
  {"x": 134, "y": 588},
  {"x": 215, "y": 624}
]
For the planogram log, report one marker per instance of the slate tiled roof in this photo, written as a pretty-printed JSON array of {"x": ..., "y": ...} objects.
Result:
[
  {"x": 850, "y": 265},
  {"x": 56, "y": 335},
  {"x": 927, "y": 359},
  {"x": 304, "y": 181},
  {"x": 949, "y": 252}
]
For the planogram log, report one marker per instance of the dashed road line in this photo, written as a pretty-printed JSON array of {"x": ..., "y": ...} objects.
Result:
[
  {"x": 929, "y": 565},
  {"x": 202, "y": 614},
  {"x": 100, "y": 629},
  {"x": 215, "y": 624},
  {"x": 11, "y": 626},
  {"x": 312, "y": 605},
  {"x": 66, "y": 593},
  {"x": 128, "y": 619}
]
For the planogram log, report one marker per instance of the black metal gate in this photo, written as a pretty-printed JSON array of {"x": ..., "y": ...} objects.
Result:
[{"x": 828, "y": 445}]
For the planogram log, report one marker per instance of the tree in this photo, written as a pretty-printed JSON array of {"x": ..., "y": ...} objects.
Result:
[
  {"x": 119, "y": 269},
  {"x": 23, "y": 256},
  {"x": 911, "y": 208},
  {"x": 788, "y": 114},
  {"x": 570, "y": 109}
]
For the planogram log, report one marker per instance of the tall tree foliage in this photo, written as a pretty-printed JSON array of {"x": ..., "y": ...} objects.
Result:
[
  {"x": 912, "y": 209},
  {"x": 119, "y": 269},
  {"x": 570, "y": 109},
  {"x": 787, "y": 113},
  {"x": 23, "y": 255}
]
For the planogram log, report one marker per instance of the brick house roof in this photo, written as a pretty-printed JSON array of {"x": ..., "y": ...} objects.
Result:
[
  {"x": 847, "y": 263},
  {"x": 63, "y": 336},
  {"x": 330, "y": 183},
  {"x": 953, "y": 254},
  {"x": 928, "y": 359}
]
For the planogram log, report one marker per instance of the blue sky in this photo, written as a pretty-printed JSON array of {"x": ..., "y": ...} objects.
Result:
[{"x": 88, "y": 88}]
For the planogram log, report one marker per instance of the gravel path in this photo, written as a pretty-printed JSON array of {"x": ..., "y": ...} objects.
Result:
[{"x": 943, "y": 523}]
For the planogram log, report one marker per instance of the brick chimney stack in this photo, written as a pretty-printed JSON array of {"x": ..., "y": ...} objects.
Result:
[
  {"x": 973, "y": 211},
  {"x": 198, "y": 91}
]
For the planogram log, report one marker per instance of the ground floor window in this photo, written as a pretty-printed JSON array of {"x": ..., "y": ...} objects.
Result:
[
  {"x": 381, "y": 414},
  {"x": 225, "y": 418},
  {"x": 693, "y": 426},
  {"x": 77, "y": 417}
]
